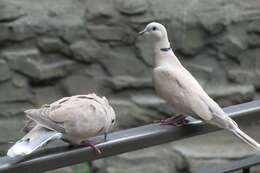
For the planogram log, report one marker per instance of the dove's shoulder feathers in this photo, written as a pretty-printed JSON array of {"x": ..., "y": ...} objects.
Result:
[{"x": 41, "y": 116}]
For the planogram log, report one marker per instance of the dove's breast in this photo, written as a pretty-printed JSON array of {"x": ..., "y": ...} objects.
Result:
[{"x": 170, "y": 89}]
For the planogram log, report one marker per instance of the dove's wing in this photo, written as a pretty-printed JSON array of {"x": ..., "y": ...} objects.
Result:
[
  {"x": 185, "y": 93},
  {"x": 77, "y": 117},
  {"x": 41, "y": 117},
  {"x": 83, "y": 116}
]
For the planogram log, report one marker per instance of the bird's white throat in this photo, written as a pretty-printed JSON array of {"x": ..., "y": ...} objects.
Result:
[
  {"x": 165, "y": 58},
  {"x": 162, "y": 43}
]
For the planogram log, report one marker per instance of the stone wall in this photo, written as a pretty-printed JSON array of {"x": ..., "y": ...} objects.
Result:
[{"x": 55, "y": 48}]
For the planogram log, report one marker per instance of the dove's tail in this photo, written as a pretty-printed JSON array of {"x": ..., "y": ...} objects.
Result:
[
  {"x": 33, "y": 140},
  {"x": 247, "y": 139},
  {"x": 243, "y": 136}
]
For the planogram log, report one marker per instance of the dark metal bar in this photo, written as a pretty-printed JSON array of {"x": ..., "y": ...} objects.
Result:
[
  {"x": 243, "y": 164},
  {"x": 125, "y": 141}
]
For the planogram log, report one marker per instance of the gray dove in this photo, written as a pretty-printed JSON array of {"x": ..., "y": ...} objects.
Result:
[
  {"x": 181, "y": 90},
  {"x": 73, "y": 119}
]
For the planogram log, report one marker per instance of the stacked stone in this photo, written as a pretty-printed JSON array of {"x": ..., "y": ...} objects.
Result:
[{"x": 50, "y": 49}]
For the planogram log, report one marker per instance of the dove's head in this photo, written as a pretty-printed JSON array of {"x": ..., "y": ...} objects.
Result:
[
  {"x": 157, "y": 32},
  {"x": 113, "y": 118}
]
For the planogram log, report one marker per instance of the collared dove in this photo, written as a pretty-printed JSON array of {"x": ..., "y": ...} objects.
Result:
[
  {"x": 73, "y": 119},
  {"x": 180, "y": 89}
]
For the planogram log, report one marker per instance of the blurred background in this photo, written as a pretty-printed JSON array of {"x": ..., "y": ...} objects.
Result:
[{"x": 55, "y": 48}]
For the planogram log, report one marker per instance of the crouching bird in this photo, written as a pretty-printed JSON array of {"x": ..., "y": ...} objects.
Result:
[
  {"x": 73, "y": 119},
  {"x": 181, "y": 90}
]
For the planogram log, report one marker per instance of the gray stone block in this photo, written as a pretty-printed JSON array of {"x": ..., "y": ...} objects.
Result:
[
  {"x": 124, "y": 82},
  {"x": 14, "y": 109},
  {"x": 86, "y": 50},
  {"x": 19, "y": 81},
  {"x": 12, "y": 131},
  {"x": 30, "y": 63},
  {"x": 53, "y": 45},
  {"x": 46, "y": 95},
  {"x": 248, "y": 58},
  {"x": 154, "y": 102},
  {"x": 242, "y": 76},
  {"x": 5, "y": 73},
  {"x": 231, "y": 94},
  {"x": 11, "y": 93},
  {"x": 143, "y": 51},
  {"x": 106, "y": 33},
  {"x": 101, "y": 11},
  {"x": 80, "y": 84},
  {"x": 143, "y": 161},
  {"x": 94, "y": 69},
  {"x": 254, "y": 40},
  {"x": 254, "y": 26},
  {"x": 201, "y": 72},
  {"x": 123, "y": 61},
  {"x": 192, "y": 40},
  {"x": 10, "y": 11},
  {"x": 234, "y": 46},
  {"x": 132, "y": 7},
  {"x": 131, "y": 115}
]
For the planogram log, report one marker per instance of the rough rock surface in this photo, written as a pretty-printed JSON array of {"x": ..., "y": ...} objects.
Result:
[
  {"x": 143, "y": 161},
  {"x": 55, "y": 48},
  {"x": 4, "y": 70}
]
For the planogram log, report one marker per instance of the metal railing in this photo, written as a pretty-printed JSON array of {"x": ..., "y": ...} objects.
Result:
[{"x": 130, "y": 140}]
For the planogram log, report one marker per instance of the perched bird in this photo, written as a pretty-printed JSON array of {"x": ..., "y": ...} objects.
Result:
[
  {"x": 73, "y": 119},
  {"x": 180, "y": 89}
]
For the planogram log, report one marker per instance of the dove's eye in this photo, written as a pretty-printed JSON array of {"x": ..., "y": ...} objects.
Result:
[
  {"x": 113, "y": 121},
  {"x": 154, "y": 28}
]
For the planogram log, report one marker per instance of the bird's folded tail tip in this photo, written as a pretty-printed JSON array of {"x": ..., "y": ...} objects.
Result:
[
  {"x": 29, "y": 111},
  {"x": 21, "y": 148},
  {"x": 35, "y": 139},
  {"x": 247, "y": 139}
]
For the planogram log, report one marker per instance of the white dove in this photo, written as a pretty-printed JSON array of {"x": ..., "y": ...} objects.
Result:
[
  {"x": 73, "y": 119},
  {"x": 180, "y": 89}
]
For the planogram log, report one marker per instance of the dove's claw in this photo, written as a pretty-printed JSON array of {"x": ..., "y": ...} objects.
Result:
[
  {"x": 105, "y": 137},
  {"x": 96, "y": 149}
]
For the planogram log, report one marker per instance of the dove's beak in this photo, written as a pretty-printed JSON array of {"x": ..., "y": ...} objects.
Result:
[{"x": 142, "y": 32}]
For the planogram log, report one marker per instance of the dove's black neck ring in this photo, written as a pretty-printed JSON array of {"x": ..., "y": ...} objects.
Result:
[{"x": 166, "y": 49}]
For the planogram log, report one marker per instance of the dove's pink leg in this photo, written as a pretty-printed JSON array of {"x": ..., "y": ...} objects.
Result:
[
  {"x": 96, "y": 149},
  {"x": 90, "y": 144},
  {"x": 176, "y": 120}
]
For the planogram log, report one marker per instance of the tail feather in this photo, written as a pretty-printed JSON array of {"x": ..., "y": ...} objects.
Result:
[
  {"x": 232, "y": 126},
  {"x": 247, "y": 139},
  {"x": 35, "y": 139}
]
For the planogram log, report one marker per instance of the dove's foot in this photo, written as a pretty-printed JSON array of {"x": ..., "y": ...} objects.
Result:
[
  {"x": 105, "y": 137},
  {"x": 175, "y": 121},
  {"x": 92, "y": 145}
]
